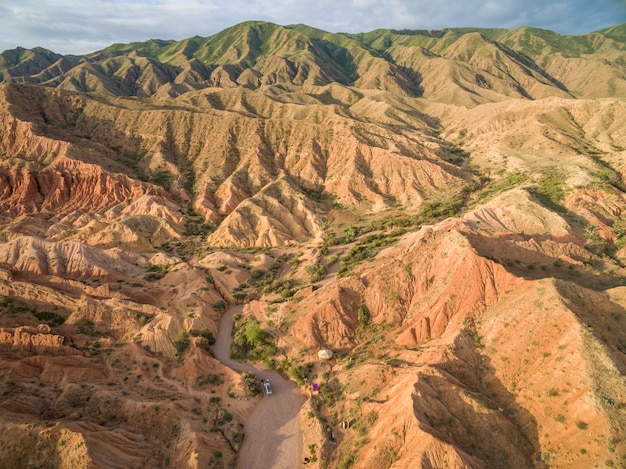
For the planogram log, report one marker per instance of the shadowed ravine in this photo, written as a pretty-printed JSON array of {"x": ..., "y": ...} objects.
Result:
[{"x": 272, "y": 434}]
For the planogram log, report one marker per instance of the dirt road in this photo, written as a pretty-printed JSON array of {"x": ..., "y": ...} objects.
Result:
[{"x": 272, "y": 435}]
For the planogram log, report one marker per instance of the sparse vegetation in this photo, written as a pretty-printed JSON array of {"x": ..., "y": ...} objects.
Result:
[
  {"x": 366, "y": 248},
  {"x": 212, "y": 379},
  {"x": 195, "y": 224},
  {"x": 364, "y": 316},
  {"x": 142, "y": 319},
  {"x": 348, "y": 461},
  {"x": 469, "y": 329},
  {"x": 52, "y": 319},
  {"x": 156, "y": 272},
  {"x": 494, "y": 187},
  {"x": 10, "y": 307},
  {"x": 86, "y": 327},
  {"x": 549, "y": 189}
]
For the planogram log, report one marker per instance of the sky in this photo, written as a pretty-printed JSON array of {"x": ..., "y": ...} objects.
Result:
[{"x": 83, "y": 26}]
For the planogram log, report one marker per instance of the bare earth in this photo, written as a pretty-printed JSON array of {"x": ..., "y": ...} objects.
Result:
[{"x": 273, "y": 438}]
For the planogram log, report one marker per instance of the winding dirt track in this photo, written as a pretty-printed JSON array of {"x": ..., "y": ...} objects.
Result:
[{"x": 272, "y": 434}]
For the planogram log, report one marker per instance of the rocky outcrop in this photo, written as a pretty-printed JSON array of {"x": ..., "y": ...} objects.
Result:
[
  {"x": 39, "y": 341},
  {"x": 69, "y": 259},
  {"x": 66, "y": 186}
]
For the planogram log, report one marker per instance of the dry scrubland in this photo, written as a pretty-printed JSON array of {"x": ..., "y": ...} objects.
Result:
[{"x": 442, "y": 209}]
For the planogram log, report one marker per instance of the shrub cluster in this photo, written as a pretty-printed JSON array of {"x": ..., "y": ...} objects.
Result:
[{"x": 250, "y": 342}]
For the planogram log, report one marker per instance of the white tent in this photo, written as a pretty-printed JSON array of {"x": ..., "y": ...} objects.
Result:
[{"x": 325, "y": 354}]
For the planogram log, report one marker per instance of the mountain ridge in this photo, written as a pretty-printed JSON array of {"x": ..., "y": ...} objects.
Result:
[{"x": 254, "y": 54}]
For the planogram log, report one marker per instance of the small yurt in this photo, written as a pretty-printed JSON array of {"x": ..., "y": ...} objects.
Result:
[{"x": 325, "y": 354}]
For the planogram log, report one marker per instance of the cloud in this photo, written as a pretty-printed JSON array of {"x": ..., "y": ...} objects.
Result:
[{"x": 78, "y": 26}]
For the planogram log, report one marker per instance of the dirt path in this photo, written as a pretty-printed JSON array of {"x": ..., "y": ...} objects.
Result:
[{"x": 272, "y": 435}]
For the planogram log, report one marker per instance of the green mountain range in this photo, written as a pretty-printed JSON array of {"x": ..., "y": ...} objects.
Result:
[{"x": 458, "y": 65}]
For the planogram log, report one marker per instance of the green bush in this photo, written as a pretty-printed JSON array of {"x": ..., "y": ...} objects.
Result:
[
  {"x": 181, "y": 342},
  {"x": 254, "y": 334},
  {"x": 156, "y": 272},
  {"x": 364, "y": 316},
  {"x": 250, "y": 341},
  {"x": 348, "y": 461},
  {"x": 212, "y": 379},
  {"x": 252, "y": 383},
  {"x": 207, "y": 334},
  {"x": 350, "y": 234},
  {"x": 257, "y": 274},
  {"x": 225, "y": 418},
  {"x": 316, "y": 271},
  {"x": 6, "y": 301},
  {"x": 275, "y": 265},
  {"x": 86, "y": 327},
  {"x": 53, "y": 319},
  {"x": 277, "y": 286},
  {"x": 143, "y": 320},
  {"x": 300, "y": 373},
  {"x": 328, "y": 394}
]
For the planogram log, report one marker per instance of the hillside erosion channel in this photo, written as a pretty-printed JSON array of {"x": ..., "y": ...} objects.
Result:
[{"x": 272, "y": 433}]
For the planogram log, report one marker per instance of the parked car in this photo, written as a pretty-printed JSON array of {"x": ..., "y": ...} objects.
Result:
[{"x": 266, "y": 386}]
